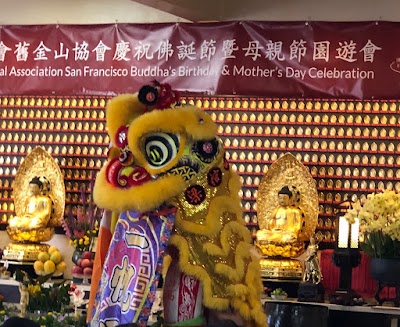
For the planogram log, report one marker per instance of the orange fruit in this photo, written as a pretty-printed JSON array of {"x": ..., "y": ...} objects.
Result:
[
  {"x": 52, "y": 249},
  {"x": 56, "y": 257},
  {"x": 38, "y": 265},
  {"x": 43, "y": 256},
  {"x": 61, "y": 266},
  {"x": 49, "y": 267}
]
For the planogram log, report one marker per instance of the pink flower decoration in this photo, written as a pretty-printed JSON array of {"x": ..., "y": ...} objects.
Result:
[
  {"x": 79, "y": 233},
  {"x": 81, "y": 217}
]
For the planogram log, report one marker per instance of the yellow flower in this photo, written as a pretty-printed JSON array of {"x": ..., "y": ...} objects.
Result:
[
  {"x": 380, "y": 212},
  {"x": 49, "y": 313},
  {"x": 2, "y": 312},
  {"x": 34, "y": 289}
]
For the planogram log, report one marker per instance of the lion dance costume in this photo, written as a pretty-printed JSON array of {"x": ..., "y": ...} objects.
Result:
[{"x": 167, "y": 187}]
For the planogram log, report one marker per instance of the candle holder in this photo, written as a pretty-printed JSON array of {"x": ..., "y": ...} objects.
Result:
[{"x": 346, "y": 256}]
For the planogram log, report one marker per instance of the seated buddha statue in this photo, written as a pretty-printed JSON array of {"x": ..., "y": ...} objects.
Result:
[
  {"x": 37, "y": 211},
  {"x": 286, "y": 221},
  {"x": 287, "y": 213},
  {"x": 39, "y": 198}
]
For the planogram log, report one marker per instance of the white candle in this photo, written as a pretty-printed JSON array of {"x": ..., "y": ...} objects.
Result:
[
  {"x": 343, "y": 238},
  {"x": 355, "y": 228}
]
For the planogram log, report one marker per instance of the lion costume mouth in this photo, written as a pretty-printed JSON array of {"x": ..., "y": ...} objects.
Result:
[
  {"x": 126, "y": 176},
  {"x": 130, "y": 176}
]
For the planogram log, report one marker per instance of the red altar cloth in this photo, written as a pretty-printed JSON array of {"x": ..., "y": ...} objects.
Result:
[{"x": 362, "y": 282}]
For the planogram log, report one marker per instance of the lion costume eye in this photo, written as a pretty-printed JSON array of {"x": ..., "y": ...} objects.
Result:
[{"x": 161, "y": 148}]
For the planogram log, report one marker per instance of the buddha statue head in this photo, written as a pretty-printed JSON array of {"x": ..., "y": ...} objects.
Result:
[
  {"x": 285, "y": 196},
  {"x": 35, "y": 186}
]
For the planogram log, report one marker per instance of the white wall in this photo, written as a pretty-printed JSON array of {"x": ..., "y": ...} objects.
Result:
[
  {"x": 313, "y": 10},
  {"x": 30, "y": 12}
]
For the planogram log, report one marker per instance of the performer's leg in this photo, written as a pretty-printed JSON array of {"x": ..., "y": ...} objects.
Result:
[
  {"x": 103, "y": 244},
  {"x": 182, "y": 298}
]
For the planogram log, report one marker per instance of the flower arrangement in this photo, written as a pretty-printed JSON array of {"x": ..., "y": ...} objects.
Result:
[
  {"x": 379, "y": 218},
  {"x": 50, "y": 299},
  {"x": 59, "y": 320},
  {"x": 82, "y": 225},
  {"x": 49, "y": 319}
]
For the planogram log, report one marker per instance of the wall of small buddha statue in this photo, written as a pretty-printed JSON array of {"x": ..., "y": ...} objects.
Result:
[{"x": 350, "y": 147}]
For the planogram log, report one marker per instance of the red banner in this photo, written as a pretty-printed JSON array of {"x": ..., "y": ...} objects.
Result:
[{"x": 294, "y": 59}]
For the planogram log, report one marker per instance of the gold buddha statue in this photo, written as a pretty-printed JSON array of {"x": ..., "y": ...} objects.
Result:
[
  {"x": 287, "y": 214},
  {"x": 39, "y": 197},
  {"x": 286, "y": 221},
  {"x": 37, "y": 210}
]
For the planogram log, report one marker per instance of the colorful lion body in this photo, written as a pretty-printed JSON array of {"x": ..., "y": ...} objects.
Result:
[{"x": 172, "y": 158}]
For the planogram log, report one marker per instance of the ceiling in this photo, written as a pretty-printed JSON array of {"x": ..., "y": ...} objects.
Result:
[
  {"x": 279, "y": 10},
  {"x": 192, "y": 10}
]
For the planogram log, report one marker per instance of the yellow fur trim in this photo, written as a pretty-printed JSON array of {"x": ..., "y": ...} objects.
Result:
[
  {"x": 199, "y": 272},
  {"x": 253, "y": 277},
  {"x": 213, "y": 249},
  {"x": 239, "y": 290},
  {"x": 231, "y": 272},
  {"x": 233, "y": 229},
  {"x": 236, "y": 273},
  {"x": 181, "y": 121},
  {"x": 114, "y": 220},
  {"x": 142, "y": 198},
  {"x": 121, "y": 111},
  {"x": 241, "y": 307},
  {"x": 234, "y": 186},
  {"x": 166, "y": 263}
]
